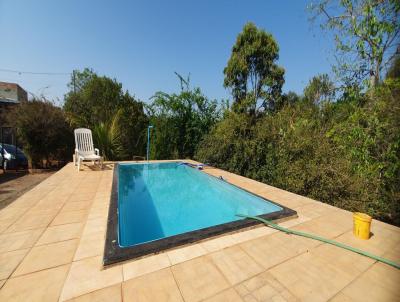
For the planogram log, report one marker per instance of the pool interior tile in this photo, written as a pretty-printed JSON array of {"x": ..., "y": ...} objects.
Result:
[
  {"x": 157, "y": 286},
  {"x": 199, "y": 279}
]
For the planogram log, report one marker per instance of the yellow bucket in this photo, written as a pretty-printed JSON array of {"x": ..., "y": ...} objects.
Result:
[{"x": 362, "y": 225}]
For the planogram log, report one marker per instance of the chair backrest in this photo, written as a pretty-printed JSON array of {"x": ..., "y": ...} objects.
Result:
[{"x": 84, "y": 141}]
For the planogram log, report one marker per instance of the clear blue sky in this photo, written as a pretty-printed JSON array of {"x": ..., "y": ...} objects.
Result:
[{"x": 142, "y": 43}]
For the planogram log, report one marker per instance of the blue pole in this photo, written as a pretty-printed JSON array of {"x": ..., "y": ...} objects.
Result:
[{"x": 148, "y": 141}]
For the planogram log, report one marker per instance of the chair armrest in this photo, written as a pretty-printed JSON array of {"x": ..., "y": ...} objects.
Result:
[{"x": 96, "y": 151}]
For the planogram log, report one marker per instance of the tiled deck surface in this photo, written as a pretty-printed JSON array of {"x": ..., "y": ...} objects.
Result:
[{"x": 52, "y": 240}]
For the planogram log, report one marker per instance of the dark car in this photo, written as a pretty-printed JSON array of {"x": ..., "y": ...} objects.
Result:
[{"x": 14, "y": 158}]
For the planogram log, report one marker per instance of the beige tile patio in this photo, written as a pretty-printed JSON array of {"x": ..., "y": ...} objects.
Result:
[
  {"x": 60, "y": 233},
  {"x": 90, "y": 245},
  {"x": 98, "y": 212},
  {"x": 10, "y": 213},
  {"x": 229, "y": 295},
  {"x": 94, "y": 226},
  {"x": 87, "y": 275},
  {"x": 9, "y": 261},
  {"x": 379, "y": 283},
  {"x": 340, "y": 297},
  {"x": 76, "y": 206},
  {"x": 70, "y": 217},
  {"x": 276, "y": 248},
  {"x": 310, "y": 277},
  {"x": 256, "y": 232},
  {"x": 218, "y": 243},
  {"x": 107, "y": 294},
  {"x": 182, "y": 254},
  {"x": 41, "y": 286},
  {"x": 5, "y": 224},
  {"x": 235, "y": 264},
  {"x": 19, "y": 240},
  {"x": 261, "y": 263},
  {"x": 145, "y": 265},
  {"x": 264, "y": 287},
  {"x": 199, "y": 279},
  {"x": 81, "y": 196},
  {"x": 30, "y": 221},
  {"x": 47, "y": 256},
  {"x": 158, "y": 286}
]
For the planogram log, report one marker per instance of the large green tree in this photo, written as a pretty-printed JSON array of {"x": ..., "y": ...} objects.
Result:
[
  {"x": 117, "y": 120},
  {"x": 252, "y": 73},
  {"x": 366, "y": 34},
  {"x": 320, "y": 89},
  {"x": 180, "y": 121}
]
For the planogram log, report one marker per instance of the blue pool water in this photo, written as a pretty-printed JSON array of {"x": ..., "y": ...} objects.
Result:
[{"x": 161, "y": 200}]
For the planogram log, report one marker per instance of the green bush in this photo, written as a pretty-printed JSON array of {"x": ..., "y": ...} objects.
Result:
[
  {"x": 341, "y": 153},
  {"x": 117, "y": 120},
  {"x": 180, "y": 121},
  {"x": 43, "y": 131}
]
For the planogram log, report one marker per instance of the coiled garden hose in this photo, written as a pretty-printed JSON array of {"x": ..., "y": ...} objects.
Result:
[{"x": 311, "y": 236}]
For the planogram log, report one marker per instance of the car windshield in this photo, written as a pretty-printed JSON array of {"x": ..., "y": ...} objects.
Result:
[{"x": 11, "y": 149}]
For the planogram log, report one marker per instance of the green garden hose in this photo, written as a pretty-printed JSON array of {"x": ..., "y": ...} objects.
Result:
[{"x": 311, "y": 236}]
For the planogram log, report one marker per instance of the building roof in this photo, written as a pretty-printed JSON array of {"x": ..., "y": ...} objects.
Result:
[
  {"x": 8, "y": 101},
  {"x": 10, "y": 85}
]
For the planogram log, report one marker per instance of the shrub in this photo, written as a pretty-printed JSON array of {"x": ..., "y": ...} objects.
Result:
[
  {"x": 345, "y": 153},
  {"x": 43, "y": 131}
]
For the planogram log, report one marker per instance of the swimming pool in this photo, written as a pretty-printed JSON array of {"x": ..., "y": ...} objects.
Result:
[{"x": 156, "y": 206}]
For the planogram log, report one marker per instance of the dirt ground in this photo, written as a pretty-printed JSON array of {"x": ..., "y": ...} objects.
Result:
[{"x": 14, "y": 184}]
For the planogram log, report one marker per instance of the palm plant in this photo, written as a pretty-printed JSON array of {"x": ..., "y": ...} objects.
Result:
[{"x": 107, "y": 136}]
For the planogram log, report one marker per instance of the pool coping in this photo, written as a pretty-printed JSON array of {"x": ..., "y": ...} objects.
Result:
[{"x": 114, "y": 253}]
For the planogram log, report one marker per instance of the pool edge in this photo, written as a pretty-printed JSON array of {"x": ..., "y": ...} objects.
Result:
[{"x": 113, "y": 253}]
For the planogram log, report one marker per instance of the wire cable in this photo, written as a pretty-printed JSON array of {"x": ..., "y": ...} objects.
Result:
[{"x": 34, "y": 73}]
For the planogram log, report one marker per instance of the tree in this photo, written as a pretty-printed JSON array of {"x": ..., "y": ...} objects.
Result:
[
  {"x": 394, "y": 69},
  {"x": 180, "y": 120},
  {"x": 92, "y": 99},
  {"x": 43, "y": 131},
  {"x": 252, "y": 73},
  {"x": 117, "y": 120},
  {"x": 320, "y": 89},
  {"x": 366, "y": 34}
]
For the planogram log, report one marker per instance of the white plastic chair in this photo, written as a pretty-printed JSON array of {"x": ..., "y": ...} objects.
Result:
[{"x": 84, "y": 150}]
